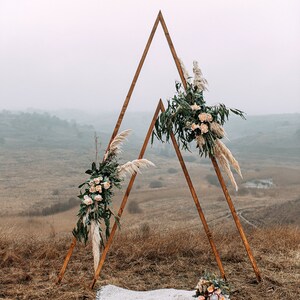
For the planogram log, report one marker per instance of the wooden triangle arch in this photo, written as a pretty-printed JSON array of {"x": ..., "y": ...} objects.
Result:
[{"x": 160, "y": 108}]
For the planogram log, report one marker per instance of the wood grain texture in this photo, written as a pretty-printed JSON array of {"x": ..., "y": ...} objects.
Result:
[
  {"x": 236, "y": 218},
  {"x": 66, "y": 261}
]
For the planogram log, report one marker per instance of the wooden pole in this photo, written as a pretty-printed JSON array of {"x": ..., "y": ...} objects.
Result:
[
  {"x": 223, "y": 185},
  {"x": 124, "y": 201},
  {"x": 135, "y": 78},
  {"x": 236, "y": 218},
  {"x": 196, "y": 200},
  {"x": 172, "y": 48},
  {"x": 66, "y": 261}
]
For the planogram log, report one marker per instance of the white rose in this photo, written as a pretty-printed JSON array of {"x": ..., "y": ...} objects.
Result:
[
  {"x": 194, "y": 126},
  {"x": 99, "y": 188},
  {"x": 98, "y": 198},
  {"x": 202, "y": 117},
  {"x": 92, "y": 189},
  {"x": 195, "y": 107},
  {"x": 106, "y": 185},
  {"x": 209, "y": 117},
  {"x": 87, "y": 200},
  {"x": 203, "y": 128},
  {"x": 97, "y": 180}
]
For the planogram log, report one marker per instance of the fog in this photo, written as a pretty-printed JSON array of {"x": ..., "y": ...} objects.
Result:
[{"x": 76, "y": 54}]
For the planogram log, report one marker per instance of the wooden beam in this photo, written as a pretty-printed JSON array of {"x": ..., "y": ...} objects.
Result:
[
  {"x": 196, "y": 201},
  {"x": 236, "y": 218},
  {"x": 172, "y": 48},
  {"x": 134, "y": 80},
  {"x": 66, "y": 261},
  {"x": 124, "y": 201}
]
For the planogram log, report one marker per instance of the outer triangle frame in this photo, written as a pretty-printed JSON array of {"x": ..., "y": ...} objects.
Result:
[{"x": 160, "y": 107}]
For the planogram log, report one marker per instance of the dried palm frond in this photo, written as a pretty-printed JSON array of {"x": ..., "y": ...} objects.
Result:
[
  {"x": 225, "y": 166},
  {"x": 85, "y": 218},
  {"x": 115, "y": 145},
  {"x": 184, "y": 70},
  {"x": 218, "y": 129},
  {"x": 96, "y": 239},
  {"x": 134, "y": 166},
  {"x": 227, "y": 153},
  {"x": 199, "y": 80},
  {"x": 200, "y": 141}
]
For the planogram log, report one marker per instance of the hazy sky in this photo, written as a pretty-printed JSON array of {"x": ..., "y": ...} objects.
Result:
[{"x": 65, "y": 54}]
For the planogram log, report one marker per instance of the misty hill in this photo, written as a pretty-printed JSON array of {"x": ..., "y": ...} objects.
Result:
[
  {"x": 267, "y": 136},
  {"x": 27, "y": 130},
  {"x": 272, "y": 136}
]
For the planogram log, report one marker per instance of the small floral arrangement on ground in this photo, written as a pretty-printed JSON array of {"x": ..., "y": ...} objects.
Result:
[
  {"x": 190, "y": 118},
  {"x": 97, "y": 191},
  {"x": 210, "y": 287}
]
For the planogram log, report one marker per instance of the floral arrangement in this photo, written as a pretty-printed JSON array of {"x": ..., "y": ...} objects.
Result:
[
  {"x": 97, "y": 191},
  {"x": 191, "y": 119},
  {"x": 211, "y": 287}
]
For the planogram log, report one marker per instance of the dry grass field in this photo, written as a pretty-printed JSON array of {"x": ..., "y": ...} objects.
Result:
[
  {"x": 161, "y": 243},
  {"x": 144, "y": 259}
]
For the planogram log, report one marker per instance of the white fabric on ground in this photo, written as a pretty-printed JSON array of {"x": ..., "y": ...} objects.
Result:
[{"x": 111, "y": 292}]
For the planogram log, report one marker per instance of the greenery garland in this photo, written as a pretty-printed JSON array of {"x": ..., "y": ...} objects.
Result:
[
  {"x": 190, "y": 118},
  {"x": 97, "y": 191},
  {"x": 95, "y": 195}
]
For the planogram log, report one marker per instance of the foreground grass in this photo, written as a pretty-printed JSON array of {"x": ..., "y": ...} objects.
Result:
[{"x": 143, "y": 260}]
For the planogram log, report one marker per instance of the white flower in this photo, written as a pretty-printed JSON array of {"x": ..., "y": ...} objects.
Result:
[
  {"x": 195, "y": 107},
  {"x": 203, "y": 128},
  {"x": 98, "y": 198},
  {"x": 92, "y": 189},
  {"x": 87, "y": 200},
  {"x": 106, "y": 185},
  {"x": 211, "y": 288},
  {"x": 205, "y": 117},
  {"x": 194, "y": 126},
  {"x": 99, "y": 188},
  {"x": 202, "y": 117},
  {"x": 97, "y": 180},
  {"x": 91, "y": 183},
  {"x": 209, "y": 117}
]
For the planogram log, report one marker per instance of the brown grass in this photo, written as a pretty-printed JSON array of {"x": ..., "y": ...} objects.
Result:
[{"x": 142, "y": 260}]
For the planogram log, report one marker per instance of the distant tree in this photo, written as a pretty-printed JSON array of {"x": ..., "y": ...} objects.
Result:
[
  {"x": 212, "y": 179},
  {"x": 172, "y": 170},
  {"x": 134, "y": 208},
  {"x": 189, "y": 158},
  {"x": 155, "y": 184}
]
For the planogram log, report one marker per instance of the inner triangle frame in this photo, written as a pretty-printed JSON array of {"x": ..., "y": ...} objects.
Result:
[{"x": 160, "y": 108}]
